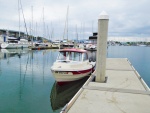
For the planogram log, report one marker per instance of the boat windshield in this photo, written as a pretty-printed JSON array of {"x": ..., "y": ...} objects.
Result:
[
  {"x": 13, "y": 41},
  {"x": 69, "y": 56}
]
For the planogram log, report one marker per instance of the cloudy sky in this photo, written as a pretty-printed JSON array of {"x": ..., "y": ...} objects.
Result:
[{"x": 46, "y": 17}]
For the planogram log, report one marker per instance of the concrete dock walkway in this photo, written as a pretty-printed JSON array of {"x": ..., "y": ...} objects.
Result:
[{"x": 124, "y": 92}]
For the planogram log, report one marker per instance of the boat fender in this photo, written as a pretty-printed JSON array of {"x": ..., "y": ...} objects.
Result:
[{"x": 92, "y": 68}]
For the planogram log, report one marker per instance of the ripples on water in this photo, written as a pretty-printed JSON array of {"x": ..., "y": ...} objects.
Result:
[{"x": 27, "y": 84}]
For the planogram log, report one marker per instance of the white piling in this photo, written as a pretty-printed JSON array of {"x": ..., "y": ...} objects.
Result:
[{"x": 101, "y": 47}]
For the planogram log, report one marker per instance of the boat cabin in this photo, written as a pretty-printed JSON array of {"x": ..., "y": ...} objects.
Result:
[
  {"x": 75, "y": 55},
  {"x": 12, "y": 41}
]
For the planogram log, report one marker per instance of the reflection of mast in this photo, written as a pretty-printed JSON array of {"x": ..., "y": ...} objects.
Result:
[
  {"x": 43, "y": 67},
  {"x": 26, "y": 69},
  {"x": 20, "y": 91},
  {"x": 0, "y": 67},
  {"x": 8, "y": 59},
  {"x": 32, "y": 69}
]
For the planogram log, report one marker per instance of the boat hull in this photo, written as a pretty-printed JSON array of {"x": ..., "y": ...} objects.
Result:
[
  {"x": 13, "y": 46},
  {"x": 63, "y": 77}
]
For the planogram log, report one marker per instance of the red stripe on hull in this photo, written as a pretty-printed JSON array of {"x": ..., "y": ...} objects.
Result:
[
  {"x": 81, "y": 72},
  {"x": 60, "y": 83}
]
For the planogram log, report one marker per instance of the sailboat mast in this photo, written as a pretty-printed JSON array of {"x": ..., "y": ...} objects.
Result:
[
  {"x": 83, "y": 30},
  {"x": 92, "y": 26},
  {"x": 67, "y": 21},
  {"x": 51, "y": 32},
  {"x": 32, "y": 26},
  {"x": 66, "y": 24},
  {"x": 47, "y": 32},
  {"x": 36, "y": 31},
  {"x": 76, "y": 42},
  {"x": 76, "y": 33},
  {"x": 19, "y": 15},
  {"x": 23, "y": 18},
  {"x": 43, "y": 25}
]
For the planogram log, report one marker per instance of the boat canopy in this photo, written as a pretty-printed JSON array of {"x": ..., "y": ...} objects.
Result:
[{"x": 72, "y": 55}]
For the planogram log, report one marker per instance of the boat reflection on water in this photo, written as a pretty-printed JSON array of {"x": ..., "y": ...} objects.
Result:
[
  {"x": 61, "y": 95},
  {"x": 5, "y": 53}
]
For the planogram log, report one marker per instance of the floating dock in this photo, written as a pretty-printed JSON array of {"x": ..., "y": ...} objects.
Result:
[
  {"x": 115, "y": 86},
  {"x": 123, "y": 92},
  {"x": 43, "y": 48}
]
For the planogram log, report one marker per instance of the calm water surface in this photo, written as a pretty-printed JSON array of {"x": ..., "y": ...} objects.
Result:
[{"x": 27, "y": 84}]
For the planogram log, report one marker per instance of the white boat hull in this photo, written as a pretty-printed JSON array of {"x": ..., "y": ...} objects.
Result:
[
  {"x": 13, "y": 45},
  {"x": 62, "y": 75}
]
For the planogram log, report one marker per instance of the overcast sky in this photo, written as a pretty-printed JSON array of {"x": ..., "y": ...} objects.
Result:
[{"x": 126, "y": 17}]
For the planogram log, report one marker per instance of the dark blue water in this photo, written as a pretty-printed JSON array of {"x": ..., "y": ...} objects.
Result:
[{"x": 27, "y": 84}]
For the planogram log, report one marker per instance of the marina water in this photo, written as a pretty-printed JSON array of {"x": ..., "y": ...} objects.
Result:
[{"x": 27, "y": 84}]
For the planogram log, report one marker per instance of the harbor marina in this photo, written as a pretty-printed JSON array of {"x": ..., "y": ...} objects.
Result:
[{"x": 26, "y": 81}]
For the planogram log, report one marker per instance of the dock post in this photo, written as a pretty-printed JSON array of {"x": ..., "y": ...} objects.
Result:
[{"x": 101, "y": 47}]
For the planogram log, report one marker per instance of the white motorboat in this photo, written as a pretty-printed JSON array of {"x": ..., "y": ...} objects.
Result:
[
  {"x": 56, "y": 44},
  {"x": 14, "y": 44},
  {"x": 91, "y": 47},
  {"x": 72, "y": 64},
  {"x": 67, "y": 44}
]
